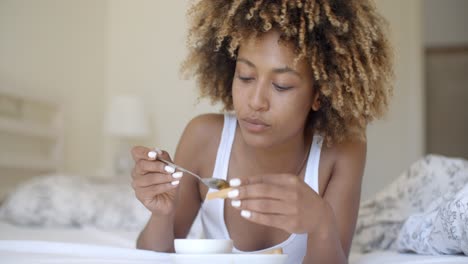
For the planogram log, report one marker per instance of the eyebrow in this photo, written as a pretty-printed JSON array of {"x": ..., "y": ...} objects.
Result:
[{"x": 285, "y": 69}]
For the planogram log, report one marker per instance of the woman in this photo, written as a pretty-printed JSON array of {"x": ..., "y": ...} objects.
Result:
[{"x": 300, "y": 80}]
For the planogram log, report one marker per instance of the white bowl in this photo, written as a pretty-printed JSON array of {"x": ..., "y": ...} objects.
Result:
[{"x": 203, "y": 246}]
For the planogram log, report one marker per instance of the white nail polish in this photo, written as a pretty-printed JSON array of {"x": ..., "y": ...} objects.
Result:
[
  {"x": 169, "y": 169},
  {"x": 158, "y": 150},
  {"x": 235, "y": 182},
  {"x": 152, "y": 155},
  {"x": 236, "y": 203},
  {"x": 246, "y": 213},
  {"x": 175, "y": 182},
  {"x": 233, "y": 194},
  {"x": 178, "y": 174}
]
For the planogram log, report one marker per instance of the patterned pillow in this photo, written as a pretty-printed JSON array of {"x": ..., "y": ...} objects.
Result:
[
  {"x": 443, "y": 229},
  {"x": 71, "y": 201},
  {"x": 381, "y": 218}
]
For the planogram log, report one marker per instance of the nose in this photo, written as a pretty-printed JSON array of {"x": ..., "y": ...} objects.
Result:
[{"x": 259, "y": 98}]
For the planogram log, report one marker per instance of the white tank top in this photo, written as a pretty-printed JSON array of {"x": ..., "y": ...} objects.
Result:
[{"x": 212, "y": 212}]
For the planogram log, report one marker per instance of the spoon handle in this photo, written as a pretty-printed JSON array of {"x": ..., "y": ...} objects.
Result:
[{"x": 179, "y": 168}]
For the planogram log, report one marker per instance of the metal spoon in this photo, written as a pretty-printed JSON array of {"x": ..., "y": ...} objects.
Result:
[{"x": 213, "y": 183}]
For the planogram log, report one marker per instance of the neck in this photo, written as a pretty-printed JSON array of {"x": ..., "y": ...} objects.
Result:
[{"x": 289, "y": 156}]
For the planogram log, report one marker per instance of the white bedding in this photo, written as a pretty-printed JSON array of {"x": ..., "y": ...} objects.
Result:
[
  {"x": 84, "y": 235},
  {"x": 72, "y": 245},
  {"x": 414, "y": 192},
  {"x": 24, "y": 251},
  {"x": 68, "y": 220},
  {"x": 90, "y": 245},
  {"x": 393, "y": 257}
]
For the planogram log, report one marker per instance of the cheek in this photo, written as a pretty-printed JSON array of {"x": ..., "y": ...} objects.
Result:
[
  {"x": 238, "y": 94},
  {"x": 295, "y": 104},
  {"x": 293, "y": 110}
]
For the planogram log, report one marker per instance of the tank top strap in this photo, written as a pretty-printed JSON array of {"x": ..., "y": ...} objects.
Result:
[
  {"x": 312, "y": 169},
  {"x": 212, "y": 212},
  {"x": 225, "y": 146}
]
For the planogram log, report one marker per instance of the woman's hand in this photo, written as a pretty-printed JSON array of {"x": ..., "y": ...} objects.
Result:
[
  {"x": 278, "y": 200},
  {"x": 154, "y": 182}
]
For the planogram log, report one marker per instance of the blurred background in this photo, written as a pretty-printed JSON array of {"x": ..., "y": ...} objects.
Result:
[{"x": 113, "y": 68}]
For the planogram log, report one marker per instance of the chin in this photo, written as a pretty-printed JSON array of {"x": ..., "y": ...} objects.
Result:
[{"x": 256, "y": 140}]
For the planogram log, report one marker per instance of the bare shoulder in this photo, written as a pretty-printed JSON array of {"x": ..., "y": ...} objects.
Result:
[
  {"x": 344, "y": 162},
  {"x": 349, "y": 150},
  {"x": 199, "y": 140},
  {"x": 206, "y": 124}
]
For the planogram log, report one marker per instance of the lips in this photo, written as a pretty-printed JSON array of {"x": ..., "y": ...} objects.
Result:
[{"x": 255, "y": 125}]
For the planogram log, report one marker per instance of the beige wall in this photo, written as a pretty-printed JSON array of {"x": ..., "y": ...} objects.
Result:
[
  {"x": 398, "y": 140},
  {"x": 104, "y": 48},
  {"x": 146, "y": 44},
  {"x": 56, "y": 48}
]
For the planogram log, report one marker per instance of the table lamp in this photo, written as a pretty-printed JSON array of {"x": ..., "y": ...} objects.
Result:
[{"x": 126, "y": 121}]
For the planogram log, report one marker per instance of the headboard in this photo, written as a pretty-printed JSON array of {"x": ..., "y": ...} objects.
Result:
[{"x": 31, "y": 137}]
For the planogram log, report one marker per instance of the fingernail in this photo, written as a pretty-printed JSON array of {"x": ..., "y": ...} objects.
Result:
[
  {"x": 178, "y": 174},
  {"x": 235, "y": 203},
  {"x": 246, "y": 213},
  {"x": 175, "y": 182},
  {"x": 233, "y": 194},
  {"x": 158, "y": 150},
  {"x": 235, "y": 182},
  {"x": 169, "y": 169},
  {"x": 152, "y": 155}
]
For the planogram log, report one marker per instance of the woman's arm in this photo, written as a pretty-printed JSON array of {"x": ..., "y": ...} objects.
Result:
[
  {"x": 161, "y": 229},
  {"x": 158, "y": 234},
  {"x": 330, "y": 242}
]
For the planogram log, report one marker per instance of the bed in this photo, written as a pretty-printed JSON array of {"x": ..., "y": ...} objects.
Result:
[
  {"x": 31, "y": 129},
  {"x": 49, "y": 216}
]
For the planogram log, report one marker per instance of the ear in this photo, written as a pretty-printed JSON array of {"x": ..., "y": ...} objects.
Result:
[{"x": 316, "y": 101}]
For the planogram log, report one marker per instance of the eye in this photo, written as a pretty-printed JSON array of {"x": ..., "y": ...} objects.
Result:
[
  {"x": 281, "y": 88},
  {"x": 245, "y": 79}
]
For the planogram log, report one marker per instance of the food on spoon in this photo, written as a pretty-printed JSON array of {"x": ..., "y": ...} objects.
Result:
[
  {"x": 221, "y": 194},
  {"x": 221, "y": 184}
]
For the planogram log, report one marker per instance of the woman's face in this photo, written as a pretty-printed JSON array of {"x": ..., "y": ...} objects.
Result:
[{"x": 271, "y": 96}]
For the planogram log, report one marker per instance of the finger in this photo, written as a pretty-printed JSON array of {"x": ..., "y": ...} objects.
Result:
[
  {"x": 262, "y": 190},
  {"x": 162, "y": 153},
  {"x": 145, "y": 193},
  {"x": 274, "y": 220},
  {"x": 140, "y": 152},
  {"x": 143, "y": 167},
  {"x": 155, "y": 178},
  {"x": 278, "y": 179},
  {"x": 264, "y": 206}
]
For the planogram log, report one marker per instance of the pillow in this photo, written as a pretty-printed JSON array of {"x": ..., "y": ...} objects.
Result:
[
  {"x": 441, "y": 230},
  {"x": 381, "y": 217},
  {"x": 72, "y": 201}
]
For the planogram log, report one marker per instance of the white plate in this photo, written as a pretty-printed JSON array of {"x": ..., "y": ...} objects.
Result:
[{"x": 229, "y": 258}]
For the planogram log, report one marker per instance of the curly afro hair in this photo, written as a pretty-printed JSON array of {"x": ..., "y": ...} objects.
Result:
[{"x": 344, "y": 41}]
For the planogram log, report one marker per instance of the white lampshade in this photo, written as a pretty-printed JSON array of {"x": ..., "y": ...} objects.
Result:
[{"x": 126, "y": 117}]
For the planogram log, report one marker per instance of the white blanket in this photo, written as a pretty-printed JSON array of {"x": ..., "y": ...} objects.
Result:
[
  {"x": 442, "y": 229},
  {"x": 381, "y": 218},
  {"x": 29, "y": 251},
  {"x": 392, "y": 257},
  {"x": 45, "y": 252}
]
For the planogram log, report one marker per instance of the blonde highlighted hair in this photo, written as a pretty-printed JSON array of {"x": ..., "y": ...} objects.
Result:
[{"x": 344, "y": 41}]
